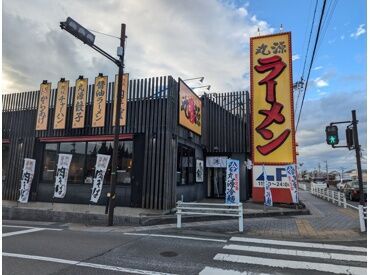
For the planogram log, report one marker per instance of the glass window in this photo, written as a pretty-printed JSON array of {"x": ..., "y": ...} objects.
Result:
[
  {"x": 76, "y": 169},
  {"x": 5, "y": 161},
  {"x": 185, "y": 165},
  {"x": 124, "y": 168},
  {"x": 49, "y": 161}
]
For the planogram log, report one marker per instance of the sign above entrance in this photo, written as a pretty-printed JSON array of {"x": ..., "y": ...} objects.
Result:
[
  {"x": 216, "y": 162},
  {"x": 190, "y": 109},
  {"x": 272, "y": 100}
]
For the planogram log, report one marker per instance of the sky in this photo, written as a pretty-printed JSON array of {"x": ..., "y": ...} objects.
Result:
[{"x": 196, "y": 38}]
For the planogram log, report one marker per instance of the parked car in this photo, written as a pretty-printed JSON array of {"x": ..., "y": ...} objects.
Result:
[{"x": 352, "y": 190}]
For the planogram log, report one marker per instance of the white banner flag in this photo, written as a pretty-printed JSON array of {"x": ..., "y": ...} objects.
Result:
[
  {"x": 232, "y": 182},
  {"x": 268, "y": 196},
  {"x": 27, "y": 176},
  {"x": 101, "y": 166},
  {"x": 61, "y": 178},
  {"x": 292, "y": 177}
]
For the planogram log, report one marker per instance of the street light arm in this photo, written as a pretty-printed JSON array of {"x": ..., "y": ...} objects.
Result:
[{"x": 107, "y": 55}]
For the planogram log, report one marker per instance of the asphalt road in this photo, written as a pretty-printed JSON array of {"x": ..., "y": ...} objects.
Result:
[{"x": 49, "y": 248}]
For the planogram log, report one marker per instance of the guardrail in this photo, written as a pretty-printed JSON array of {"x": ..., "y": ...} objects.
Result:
[
  {"x": 362, "y": 212},
  {"x": 330, "y": 195},
  {"x": 209, "y": 209}
]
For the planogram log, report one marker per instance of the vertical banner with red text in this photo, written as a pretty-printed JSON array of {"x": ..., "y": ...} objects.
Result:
[
  {"x": 273, "y": 134},
  {"x": 100, "y": 99},
  {"x": 61, "y": 105},
  {"x": 43, "y": 107},
  {"x": 79, "y": 103},
  {"x": 124, "y": 95}
]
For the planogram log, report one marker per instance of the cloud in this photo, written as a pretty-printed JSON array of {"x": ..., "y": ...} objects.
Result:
[
  {"x": 342, "y": 37},
  {"x": 295, "y": 57},
  {"x": 317, "y": 68},
  {"x": 318, "y": 113},
  {"x": 179, "y": 38},
  {"x": 319, "y": 82},
  {"x": 360, "y": 31}
]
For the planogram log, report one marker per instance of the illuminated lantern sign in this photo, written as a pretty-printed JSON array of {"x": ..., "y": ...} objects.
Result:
[
  {"x": 79, "y": 103},
  {"x": 273, "y": 134},
  {"x": 61, "y": 105},
  {"x": 43, "y": 107},
  {"x": 272, "y": 98},
  {"x": 100, "y": 99},
  {"x": 124, "y": 95}
]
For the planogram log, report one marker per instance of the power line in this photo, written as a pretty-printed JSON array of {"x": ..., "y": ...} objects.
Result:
[{"x": 311, "y": 63}]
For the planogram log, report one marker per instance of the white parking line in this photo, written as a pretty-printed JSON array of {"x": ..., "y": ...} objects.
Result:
[
  {"x": 299, "y": 244},
  {"x": 219, "y": 271},
  {"x": 85, "y": 264},
  {"x": 341, "y": 269},
  {"x": 302, "y": 253},
  {"x": 177, "y": 237}
]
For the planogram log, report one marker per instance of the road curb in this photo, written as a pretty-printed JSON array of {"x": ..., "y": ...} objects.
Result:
[{"x": 49, "y": 215}]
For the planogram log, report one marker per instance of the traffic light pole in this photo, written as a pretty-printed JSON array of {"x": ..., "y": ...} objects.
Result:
[
  {"x": 358, "y": 157},
  {"x": 113, "y": 181}
]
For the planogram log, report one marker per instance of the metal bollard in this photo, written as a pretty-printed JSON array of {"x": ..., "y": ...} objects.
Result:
[
  {"x": 178, "y": 214},
  {"x": 241, "y": 226}
]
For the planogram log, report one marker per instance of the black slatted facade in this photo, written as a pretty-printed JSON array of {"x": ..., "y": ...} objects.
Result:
[{"x": 152, "y": 115}]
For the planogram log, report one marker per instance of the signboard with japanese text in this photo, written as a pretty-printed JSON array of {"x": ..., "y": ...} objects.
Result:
[
  {"x": 61, "y": 177},
  {"x": 216, "y": 162},
  {"x": 61, "y": 105},
  {"x": 80, "y": 103},
  {"x": 26, "y": 181},
  {"x": 275, "y": 175},
  {"x": 190, "y": 109},
  {"x": 124, "y": 95},
  {"x": 43, "y": 107},
  {"x": 273, "y": 134},
  {"x": 100, "y": 99},
  {"x": 101, "y": 166},
  {"x": 232, "y": 191}
]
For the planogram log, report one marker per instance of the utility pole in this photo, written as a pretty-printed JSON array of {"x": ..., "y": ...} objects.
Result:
[
  {"x": 358, "y": 156},
  {"x": 112, "y": 197},
  {"x": 319, "y": 169},
  {"x": 341, "y": 178},
  {"x": 327, "y": 171}
]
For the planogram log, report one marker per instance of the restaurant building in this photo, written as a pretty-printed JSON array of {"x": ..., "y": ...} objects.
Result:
[{"x": 160, "y": 159}]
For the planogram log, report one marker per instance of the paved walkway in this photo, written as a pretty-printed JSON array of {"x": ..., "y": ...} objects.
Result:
[{"x": 326, "y": 222}]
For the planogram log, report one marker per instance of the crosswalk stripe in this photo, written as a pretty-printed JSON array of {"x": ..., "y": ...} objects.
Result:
[
  {"x": 22, "y": 232},
  {"x": 339, "y": 269},
  {"x": 219, "y": 271},
  {"x": 299, "y": 244},
  {"x": 302, "y": 253}
]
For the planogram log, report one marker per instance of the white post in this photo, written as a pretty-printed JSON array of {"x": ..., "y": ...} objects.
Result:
[
  {"x": 178, "y": 214},
  {"x": 361, "y": 217},
  {"x": 240, "y": 217},
  {"x": 344, "y": 200}
]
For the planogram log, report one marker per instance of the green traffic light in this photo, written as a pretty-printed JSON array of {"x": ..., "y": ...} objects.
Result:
[{"x": 332, "y": 139}]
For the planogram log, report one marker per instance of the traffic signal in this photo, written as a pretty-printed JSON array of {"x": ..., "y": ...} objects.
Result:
[
  {"x": 332, "y": 135},
  {"x": 349, "y": 138},
  {"x": 78, "y": 31}
]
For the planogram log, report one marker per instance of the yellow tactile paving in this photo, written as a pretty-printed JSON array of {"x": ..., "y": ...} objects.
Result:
[{"x": 349, "y": 212}]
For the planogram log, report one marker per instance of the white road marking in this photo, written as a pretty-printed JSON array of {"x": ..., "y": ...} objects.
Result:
[
  {"x": 22, "y": 226},
  {"x": 299, "y": 244},
  {"x": 85, "y": 264},
  {"x": 219, "y": 271},
  {"x": 21, "y": 232},
  {"x": 341, "y": 269},
  {"x": 302, "y": 253},
  {"x": 177, "y": 237}
]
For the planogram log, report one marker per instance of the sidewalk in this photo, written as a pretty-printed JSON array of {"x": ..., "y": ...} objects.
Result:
[{"x": 95, "y": 214}]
